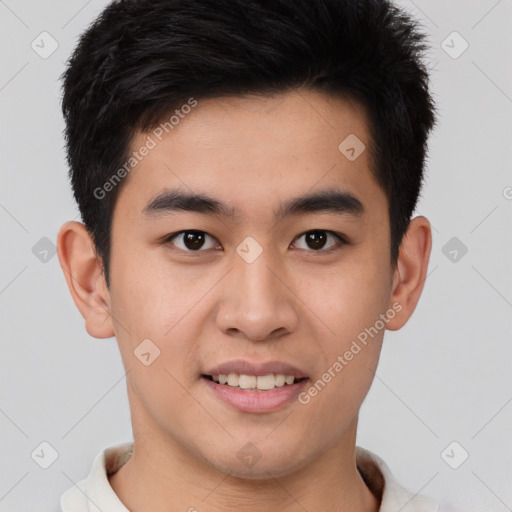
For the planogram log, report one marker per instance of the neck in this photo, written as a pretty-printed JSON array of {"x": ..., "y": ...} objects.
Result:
[{"x": 165, "y": 476}]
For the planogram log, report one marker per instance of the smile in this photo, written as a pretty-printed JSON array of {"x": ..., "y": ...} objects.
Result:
[
  {"x": 253, "y": 382},
  {"x": 261, "y": 394}
]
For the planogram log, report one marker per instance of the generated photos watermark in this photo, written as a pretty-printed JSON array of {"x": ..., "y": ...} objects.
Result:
[
  {"x": 355, "y": 348},
  {"x": 149, "y": 144}
]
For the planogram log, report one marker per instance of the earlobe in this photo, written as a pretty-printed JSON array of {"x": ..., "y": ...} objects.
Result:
[
  {"x": 411, "y": 270},
  {"x": 83, "y": 271}
]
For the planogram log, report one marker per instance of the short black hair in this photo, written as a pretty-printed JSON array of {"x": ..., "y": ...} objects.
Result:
[{"x": 142, "y": 59}]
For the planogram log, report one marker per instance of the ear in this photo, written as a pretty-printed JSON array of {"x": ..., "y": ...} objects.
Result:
[
  {"x": 84, "y": 275},
  {"x": 411, "y": 271}
]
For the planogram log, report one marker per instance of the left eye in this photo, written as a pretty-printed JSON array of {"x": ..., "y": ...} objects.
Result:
[{"x": 317, "y": 238}]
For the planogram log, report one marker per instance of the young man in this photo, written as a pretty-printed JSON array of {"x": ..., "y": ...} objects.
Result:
[{"x": 246, "y": 172}]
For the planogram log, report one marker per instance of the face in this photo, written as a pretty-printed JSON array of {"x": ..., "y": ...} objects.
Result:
[{"x": 257, "y": 280}]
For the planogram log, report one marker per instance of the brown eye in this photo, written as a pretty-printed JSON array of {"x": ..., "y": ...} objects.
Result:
[
  {"x": 191, "y": 240},
  {"x": 317, "y": 239}
]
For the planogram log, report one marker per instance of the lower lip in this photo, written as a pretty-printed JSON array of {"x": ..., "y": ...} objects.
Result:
[{"x": 257, "y": 401}]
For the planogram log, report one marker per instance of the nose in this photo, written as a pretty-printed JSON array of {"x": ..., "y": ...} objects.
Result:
[{"x": 257, "y": 301}]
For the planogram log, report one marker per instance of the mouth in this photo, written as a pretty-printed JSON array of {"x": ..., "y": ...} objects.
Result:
[
  {"x": 260, "y": 383},
  {"x": 255, "y": 394}
]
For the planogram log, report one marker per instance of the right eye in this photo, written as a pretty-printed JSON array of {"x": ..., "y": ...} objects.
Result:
[{"x": 191, "y": 240}]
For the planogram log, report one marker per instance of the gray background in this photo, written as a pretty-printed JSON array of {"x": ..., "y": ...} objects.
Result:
[{"x": 444, "y": 377}]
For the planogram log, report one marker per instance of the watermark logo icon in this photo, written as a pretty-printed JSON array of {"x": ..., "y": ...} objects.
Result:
[
  {"x": 249, "y": 250},
  {"x": 454, "y": 249},
  {"x": 454, "y": 45},
  {"x": 44, "y": 45},
  {"x": 454, "y": 455},
  {"x": 44, "y": 455},
  {"x": 146, "y": 352},
  {"x": 44, "y": 250},
  {"x": 352, "y": 147},
  {"x": 249, "y": 455}
]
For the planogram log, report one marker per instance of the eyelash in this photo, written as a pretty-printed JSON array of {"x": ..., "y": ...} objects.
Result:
[{"x": 342, "y": 240}]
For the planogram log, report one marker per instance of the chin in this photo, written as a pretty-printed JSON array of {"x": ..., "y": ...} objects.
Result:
[{"x": 252, "y": 463}]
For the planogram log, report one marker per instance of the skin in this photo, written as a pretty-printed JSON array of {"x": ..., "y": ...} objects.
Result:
[{"x": 292, "y": 304}]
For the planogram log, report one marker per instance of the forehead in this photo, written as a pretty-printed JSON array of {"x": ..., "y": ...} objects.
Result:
[{"x": 253, "y": 151}]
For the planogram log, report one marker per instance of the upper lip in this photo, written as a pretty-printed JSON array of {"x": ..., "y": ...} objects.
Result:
[{"x": 242, "y": 366}]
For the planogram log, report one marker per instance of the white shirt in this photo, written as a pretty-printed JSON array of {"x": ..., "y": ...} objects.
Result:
[{"x": 95, "y": 494}]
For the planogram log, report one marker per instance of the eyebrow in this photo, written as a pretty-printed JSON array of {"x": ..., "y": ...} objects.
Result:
[{"x": 324, "y": 201}]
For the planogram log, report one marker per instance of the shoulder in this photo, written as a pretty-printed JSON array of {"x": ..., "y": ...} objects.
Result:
[
  {"x": 94, "y": 493},
  {"x": 382, "y": 483}
]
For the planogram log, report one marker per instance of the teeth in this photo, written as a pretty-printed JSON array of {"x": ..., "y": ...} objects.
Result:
[
  {"x": 280, "y": 379},
  {"x": 247, "y": 381},
  {"x": 233, "y": 379},
  {"x": 261, "y": 382}
]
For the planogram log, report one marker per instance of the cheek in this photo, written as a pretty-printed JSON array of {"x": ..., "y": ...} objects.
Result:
[
  {"x": 349, "y": 304},
  {"x": 348, "y": 353},
  {"x": 147, "y": 300},
  {"x": 348, "y": 298},
  {"x": 153, "y": 334},
  {"x": 149, "y": 303}
]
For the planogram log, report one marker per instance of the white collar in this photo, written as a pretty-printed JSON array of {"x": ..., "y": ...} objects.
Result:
[{"x": 95, "y": 494}]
